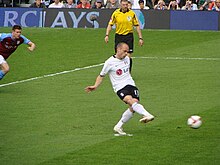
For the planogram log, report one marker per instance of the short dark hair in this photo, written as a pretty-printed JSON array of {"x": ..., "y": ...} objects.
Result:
[
  {"x": 17, "y": 27},
  {"x": 124, "y": 0}
]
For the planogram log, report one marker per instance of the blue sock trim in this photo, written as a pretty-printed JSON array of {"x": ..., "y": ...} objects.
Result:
[{"x": 2, "y": 74}]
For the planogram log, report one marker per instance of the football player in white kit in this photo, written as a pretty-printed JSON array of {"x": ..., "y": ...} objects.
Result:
[{"x": 117, "y": 66}]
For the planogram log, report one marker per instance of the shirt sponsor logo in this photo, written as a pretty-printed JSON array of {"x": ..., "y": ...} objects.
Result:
[{"x": 119, "y": 72}]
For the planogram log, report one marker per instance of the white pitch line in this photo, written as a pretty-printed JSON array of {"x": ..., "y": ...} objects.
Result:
[
  {"x": 93, "y": 66},
  {"x": 50, "y": 75},
  {"x": 180, "y": 58}
]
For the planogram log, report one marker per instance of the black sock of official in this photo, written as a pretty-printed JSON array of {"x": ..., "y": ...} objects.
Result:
[{"x": 130, "y": 64}]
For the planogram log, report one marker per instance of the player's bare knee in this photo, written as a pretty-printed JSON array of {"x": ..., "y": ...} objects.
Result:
[
  {"x": 5, "y": 68},
  {"x": 130, "y": 100}
]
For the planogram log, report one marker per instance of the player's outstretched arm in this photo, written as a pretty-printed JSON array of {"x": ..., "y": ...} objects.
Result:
[
  {"x": 31, "y": 46},
  {"x": 141, "y": 41},
  {"x": 98, "y": 81},
  {"x": 109, "y": 28}
]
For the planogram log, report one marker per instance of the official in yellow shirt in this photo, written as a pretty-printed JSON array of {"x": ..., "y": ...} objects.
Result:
[{"x": 124, "y": 19}]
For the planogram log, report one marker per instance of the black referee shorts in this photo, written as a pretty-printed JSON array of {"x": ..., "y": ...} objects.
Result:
[{"x": 128, "y": 39}]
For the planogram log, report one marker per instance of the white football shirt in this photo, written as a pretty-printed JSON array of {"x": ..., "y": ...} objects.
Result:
[{"x": 118, "y": 71}]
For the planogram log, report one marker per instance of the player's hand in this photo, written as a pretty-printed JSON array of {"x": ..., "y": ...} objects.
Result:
[
  {"x": 89, "y": 89},
  {"x": 106, "y": 39},
  {"x": 141, "y": 42},
  {"x": 30, "y": 48}
]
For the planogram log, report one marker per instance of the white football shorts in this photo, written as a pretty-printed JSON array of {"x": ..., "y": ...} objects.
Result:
[{"x": 2, "y": 60}]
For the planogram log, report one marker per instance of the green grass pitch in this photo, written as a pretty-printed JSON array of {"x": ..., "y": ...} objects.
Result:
[{"x": 52, "y": 121}]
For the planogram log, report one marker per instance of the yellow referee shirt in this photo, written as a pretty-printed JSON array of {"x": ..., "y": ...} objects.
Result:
[{"x": 124, "y": 21}]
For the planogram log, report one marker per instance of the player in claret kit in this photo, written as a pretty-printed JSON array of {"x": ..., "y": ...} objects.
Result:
[
  {"x": 117, "y": 66},
  {"x": 9, "y": 42}
]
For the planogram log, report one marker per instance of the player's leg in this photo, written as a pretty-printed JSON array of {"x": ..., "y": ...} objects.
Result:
[
  {"x": 118, "y": 39},
  {"x": 135, "y": 105},
  {"x": 4, "y": 67},
  {"x": 129, "y": 39},
  {"x": 126, "y": 116},
  {"x": 133, "y": 101},
  {"x": 2, "y": 74},
  {"x": 147, "y": 117}
]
